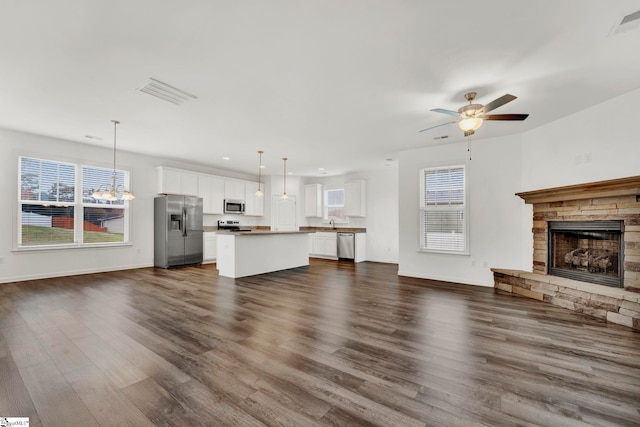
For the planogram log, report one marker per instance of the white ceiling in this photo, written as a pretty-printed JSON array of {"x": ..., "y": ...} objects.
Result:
[{"x": 338, "y": 84}]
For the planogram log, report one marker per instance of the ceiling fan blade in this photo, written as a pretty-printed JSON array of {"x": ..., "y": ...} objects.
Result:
[
  {"x": 443, "y": 111},
  {"x": 497, "y": 103},
  {"x": 437, "y": 126},
  {"x": 505, "y": 117}
]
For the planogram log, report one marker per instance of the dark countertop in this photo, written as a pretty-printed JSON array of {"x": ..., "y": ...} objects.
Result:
[
  {"x": 334, "y": 230},
  {"x": 262, "y": 228},
  {"x": 214, "y": 229},
  {"x": 260, "y": 232}
]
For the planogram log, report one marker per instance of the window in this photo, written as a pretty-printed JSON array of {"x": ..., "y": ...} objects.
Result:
[
  {"x": 443, "y": 209},
  {"x": 103, "y": 221},
  {"x": 334, "y": 205},
  {"x": 56, "y": 207}
]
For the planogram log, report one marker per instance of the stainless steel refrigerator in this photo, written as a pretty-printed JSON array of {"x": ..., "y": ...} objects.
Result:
[{"x": 178, "y": 231}]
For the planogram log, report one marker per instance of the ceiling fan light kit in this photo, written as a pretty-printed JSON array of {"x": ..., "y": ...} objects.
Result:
[{"x": 470, "y": 123}]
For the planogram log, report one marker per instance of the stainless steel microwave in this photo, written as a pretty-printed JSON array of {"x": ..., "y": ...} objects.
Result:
[{"x": 233, "y": 206}]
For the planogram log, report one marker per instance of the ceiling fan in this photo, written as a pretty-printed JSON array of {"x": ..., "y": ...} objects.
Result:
[{"x": 472, "y": 116}]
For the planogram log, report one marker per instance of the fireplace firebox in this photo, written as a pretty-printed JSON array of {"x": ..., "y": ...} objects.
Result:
[{"x": 591, "y": 251}]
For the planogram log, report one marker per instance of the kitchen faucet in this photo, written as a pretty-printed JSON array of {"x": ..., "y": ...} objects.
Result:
[{"x": 332, "y": 223}]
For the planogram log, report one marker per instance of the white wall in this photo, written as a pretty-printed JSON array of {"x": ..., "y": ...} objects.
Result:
[
  {"x": 23, "y": 265},
  {"x": 595, "y": 144},
  {"x": 493, "y": 176}
]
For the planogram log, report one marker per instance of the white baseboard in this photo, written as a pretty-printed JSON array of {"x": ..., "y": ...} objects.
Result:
[
  {"x": 25, "y": 277},
  {"x": 444, "y": 278}
]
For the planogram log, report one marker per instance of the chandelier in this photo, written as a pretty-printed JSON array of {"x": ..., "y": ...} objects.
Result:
[{"x": 110, "y": 192}]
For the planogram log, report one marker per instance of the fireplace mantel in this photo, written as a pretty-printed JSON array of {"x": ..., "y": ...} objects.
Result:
[{"x": 611, "y": 188}]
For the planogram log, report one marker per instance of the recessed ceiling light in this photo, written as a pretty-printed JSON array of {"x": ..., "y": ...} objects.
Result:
[
  {"x": 320, "y": 169},
  {"x": 262, "y": 166},
  {"x": 226, "y": 158},
  {"x": 289, "y": 173}
]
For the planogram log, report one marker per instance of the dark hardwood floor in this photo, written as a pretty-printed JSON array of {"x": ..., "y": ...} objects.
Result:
[{"x": 336, "y": 343}]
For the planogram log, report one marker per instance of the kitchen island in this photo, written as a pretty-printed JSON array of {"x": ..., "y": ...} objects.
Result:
[{"x": 246, "y": 253}]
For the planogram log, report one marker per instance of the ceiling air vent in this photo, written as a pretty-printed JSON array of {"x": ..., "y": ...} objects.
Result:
[
  {"x": 626, "y": 23},
  {"x": 166, "y": 92}
]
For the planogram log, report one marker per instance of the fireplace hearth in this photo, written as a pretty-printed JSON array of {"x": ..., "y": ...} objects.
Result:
[{"x": 591, "y": 251}]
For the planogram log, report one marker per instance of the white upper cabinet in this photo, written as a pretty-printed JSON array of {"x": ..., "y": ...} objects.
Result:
[
  {"x": 354, "y": 198},
  {"x": 175, "y": 181},
  {"x": 211, "y": 189},
  {"x": 313, "y": 200},
  {"x": 234, "y": 189},
  {"x": 253, "y": 205}
]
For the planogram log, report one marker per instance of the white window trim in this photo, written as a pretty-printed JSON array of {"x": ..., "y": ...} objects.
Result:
[
  {"x": 78, "y": 206},
  {"x": 423, "y": 208}
]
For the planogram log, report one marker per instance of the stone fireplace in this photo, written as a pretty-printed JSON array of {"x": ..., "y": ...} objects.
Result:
[{"x": 586, "y": 250}]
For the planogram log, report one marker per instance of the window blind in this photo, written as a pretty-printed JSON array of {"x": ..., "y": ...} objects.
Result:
[
  {"x": 443, "y": 225},
  {"x": 47, "y": 181}
]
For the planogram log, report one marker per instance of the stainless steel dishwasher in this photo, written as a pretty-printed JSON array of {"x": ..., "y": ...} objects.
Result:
[{"x": 346, "y": 246}]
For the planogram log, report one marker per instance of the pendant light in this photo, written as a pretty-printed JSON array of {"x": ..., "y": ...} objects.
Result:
[
  {"x": 110, "y": 193},
  {"x": 284, "y": 192},
  {"x": 259, "y": 193}
]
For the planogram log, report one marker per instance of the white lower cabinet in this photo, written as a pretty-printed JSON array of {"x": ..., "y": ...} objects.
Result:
[
  {"x": 209, "y": 253},
  {"x": 361, "y": 247},
  {"x": 325, "y": 244}
]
